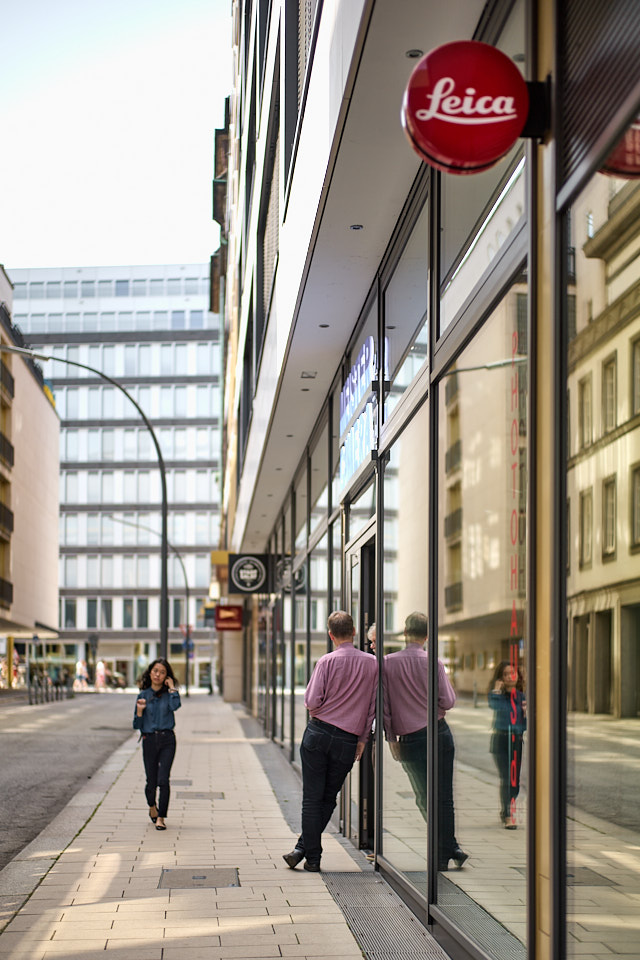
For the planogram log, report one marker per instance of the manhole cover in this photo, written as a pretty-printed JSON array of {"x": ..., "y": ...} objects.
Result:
[
  {"x": 198, "y": 795},
  {"x": 188, "y": 878}
]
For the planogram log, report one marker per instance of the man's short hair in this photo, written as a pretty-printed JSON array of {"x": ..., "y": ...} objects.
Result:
[
  {"x": 340, "y": 624},
  {"x": 417, "y": 625}
]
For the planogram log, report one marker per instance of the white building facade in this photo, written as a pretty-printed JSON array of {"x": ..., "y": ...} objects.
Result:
[{"x": 149, "y": 328}]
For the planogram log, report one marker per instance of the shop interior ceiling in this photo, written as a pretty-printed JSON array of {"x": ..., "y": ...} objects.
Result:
[{"x": 374, "y": 170}]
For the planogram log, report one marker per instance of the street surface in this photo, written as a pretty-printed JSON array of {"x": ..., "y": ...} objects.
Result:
[
  {"x": 48, "y": 752},
  {"x": 603, "y": 758}
]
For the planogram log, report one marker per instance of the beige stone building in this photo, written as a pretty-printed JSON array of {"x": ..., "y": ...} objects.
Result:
[{"x": 29, "y": 442}]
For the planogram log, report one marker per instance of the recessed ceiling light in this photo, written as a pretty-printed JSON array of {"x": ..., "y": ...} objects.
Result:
[
  {"x": 289, "y": 435},
  {"x": 356, "y": 226},
  {"x": 323, "y": 326},
  {"x": 304, "y": 390},
  {"x": 414, "y": 53},
  {"x": 308, "y": 374}
]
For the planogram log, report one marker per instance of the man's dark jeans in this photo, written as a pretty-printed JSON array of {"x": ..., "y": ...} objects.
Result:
[
  {"x": 327, "y": 754},
  {"x": 413, "y": 756},
  {"x": 158, "y": 751}
]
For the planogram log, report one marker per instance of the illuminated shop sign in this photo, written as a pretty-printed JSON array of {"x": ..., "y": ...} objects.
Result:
[
  {"x": 358, "y": 383},
  {"x": 358, "y": 412},
  {"x": 465, "y": 105},
  {"x": 359, "y": 441}
]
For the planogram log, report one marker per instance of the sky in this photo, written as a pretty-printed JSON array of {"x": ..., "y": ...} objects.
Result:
[{"x": 107, "y": 114}]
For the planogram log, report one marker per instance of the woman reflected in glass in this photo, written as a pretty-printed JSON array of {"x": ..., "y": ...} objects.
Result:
[{"x": 509, "y": 705}]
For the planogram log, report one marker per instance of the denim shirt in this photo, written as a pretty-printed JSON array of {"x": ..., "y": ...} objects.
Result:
[
  {"x": 502, "y": 718},
  {"x": 159, "y": 711}
]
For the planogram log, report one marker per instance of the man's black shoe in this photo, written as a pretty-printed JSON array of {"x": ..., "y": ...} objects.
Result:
[
  {"x": 312, "y": 867},
  {"x": 459, "y": 857},
  {"x": 293, "y": 859}
]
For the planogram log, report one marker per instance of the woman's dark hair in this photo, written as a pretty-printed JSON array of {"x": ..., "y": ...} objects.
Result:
[
  {"x": 499, "y": 671},
  {"x": 145, "y": 680}
]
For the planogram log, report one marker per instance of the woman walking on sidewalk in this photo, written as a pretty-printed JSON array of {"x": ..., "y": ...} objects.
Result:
[{"x": 154, "y": 717}]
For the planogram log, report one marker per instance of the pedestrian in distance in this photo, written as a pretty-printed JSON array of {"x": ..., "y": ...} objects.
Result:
[
  {"x": 508, "y": 702},
  {"x": 340, "y": 698},
  {"x": 154, "y": 713}
]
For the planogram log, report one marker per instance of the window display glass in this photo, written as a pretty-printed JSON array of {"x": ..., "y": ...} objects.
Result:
[
  {"x": 602, "y": 233},
  {"x": 482, "y": 604}
]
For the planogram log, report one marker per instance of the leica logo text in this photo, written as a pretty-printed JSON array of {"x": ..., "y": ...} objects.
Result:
[{"x": 467, "y": 109}]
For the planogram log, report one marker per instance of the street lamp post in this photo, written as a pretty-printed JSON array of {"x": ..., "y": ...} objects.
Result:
[{"x": 164, "y": 546}]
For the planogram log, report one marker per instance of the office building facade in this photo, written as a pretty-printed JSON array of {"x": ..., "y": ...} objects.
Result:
[{"x": 149, "y": 329}]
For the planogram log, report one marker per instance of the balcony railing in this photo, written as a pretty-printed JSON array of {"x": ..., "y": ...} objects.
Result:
[
  {"x": 6, "y": 519},
  {"x": 6, "y": 379},
  {"x": 6, "y": 593},
  {"x": 453, "y": 523},
  {"x": 453, "y": 596},
  {"x": 6, "y": 450},
  {"x": 453, "y": 457}
]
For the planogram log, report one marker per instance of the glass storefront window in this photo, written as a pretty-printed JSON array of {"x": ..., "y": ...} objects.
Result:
[
  {"x": 482, "y": 539},
  {"x": 361, "y": 510},
  {"x": 319, "y": 480},
  {"x": 481, "y": 212},
  {"x": 603, "y": 570},
  {"x": 406, "y": 326},
  {"x": 302, "y": 502},
  {"x": 336, "y": 566},
  {"x": 405, "y": 585}
]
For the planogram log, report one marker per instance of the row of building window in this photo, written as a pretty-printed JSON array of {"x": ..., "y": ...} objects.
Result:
[
  {"x": 123, "y": 321},
  {"x": 158, "y": 402},
  {"x": 124, "y": 360},
  {"x": 609, "y": 519},
  {"x": 123, "y": 613},
  {"x": 100, "y": 444},
  {"x": 134, "y": 572},
  {"x": 88, "y": 289},
  {"x": 609, "y": 397},
  {"x": 138, "y": 486},
  {"x": 127, "y": 529}
]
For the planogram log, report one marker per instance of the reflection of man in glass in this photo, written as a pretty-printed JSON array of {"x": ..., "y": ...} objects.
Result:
[{"x": 405, "y": 723}]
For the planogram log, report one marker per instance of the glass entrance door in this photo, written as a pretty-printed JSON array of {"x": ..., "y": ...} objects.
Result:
[{"x": 358, "y": 791}]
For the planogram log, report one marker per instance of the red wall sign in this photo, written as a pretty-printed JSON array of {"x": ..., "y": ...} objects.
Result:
[
  {"x": 465, "y": 106},
  {"x": 229, "y": 617},
  {"x": 624, "y": 161}
]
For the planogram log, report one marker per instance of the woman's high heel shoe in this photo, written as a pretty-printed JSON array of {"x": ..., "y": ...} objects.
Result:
[
  {"x": 161, "y": 825},
  {"x": 153, "y": 813}
]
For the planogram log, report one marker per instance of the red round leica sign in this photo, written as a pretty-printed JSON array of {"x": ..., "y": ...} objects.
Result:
[{"x": 465, "y": 106}]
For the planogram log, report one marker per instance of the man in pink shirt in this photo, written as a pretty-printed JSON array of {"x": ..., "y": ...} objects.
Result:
[
  {"x": 340, "y": 698},
  {"x": 406, "y": 710}
]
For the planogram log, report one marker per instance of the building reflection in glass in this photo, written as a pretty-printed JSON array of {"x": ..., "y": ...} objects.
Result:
[{"x": 602, "y": 308}]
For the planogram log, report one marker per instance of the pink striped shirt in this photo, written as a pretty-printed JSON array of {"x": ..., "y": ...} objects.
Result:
[
  {"x": 342, "y": 690},
  {"x": 405, "y": 691}
]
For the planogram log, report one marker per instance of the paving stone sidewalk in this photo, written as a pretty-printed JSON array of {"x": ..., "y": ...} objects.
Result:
[{"x": 89, "y": 885}]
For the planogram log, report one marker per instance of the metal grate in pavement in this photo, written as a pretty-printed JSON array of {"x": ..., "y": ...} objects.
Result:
[
  {"x": 477, "y": 923},
  {"x": 191, "y": 878},
  {"x": 181, "y": 783},
  {"x": 199, "y": 795},
  {"x": 381, "y": 923}
]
